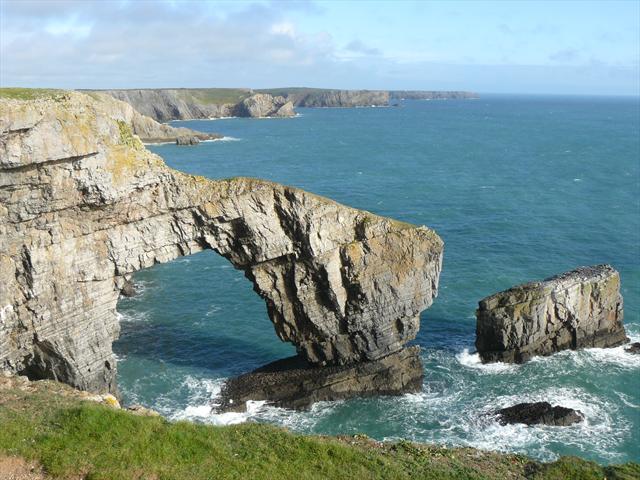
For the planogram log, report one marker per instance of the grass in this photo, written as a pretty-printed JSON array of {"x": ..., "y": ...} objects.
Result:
[
  {"x": 72, "y": 438},
  {"x": 215, "y": 96},
  {"x": 17, "y": 93}
]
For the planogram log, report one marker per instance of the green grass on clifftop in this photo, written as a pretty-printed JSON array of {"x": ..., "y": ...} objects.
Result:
[
  {"x": 70, "y": 438},
  {"x": 17, "y": 93},
  {"x": 215, "y": 96}
]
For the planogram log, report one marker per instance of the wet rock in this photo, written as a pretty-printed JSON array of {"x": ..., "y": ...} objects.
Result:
[
  {"x": 633, "y": 348},
  {"x": 294, "y": 383},
  {"x": 539, "y": 413},
  {"x": 578, "y": 309},
  {"x": 128, "y": 289}
]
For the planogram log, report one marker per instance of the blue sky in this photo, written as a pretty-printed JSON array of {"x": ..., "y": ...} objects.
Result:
[{"x": 581, "y": 47}]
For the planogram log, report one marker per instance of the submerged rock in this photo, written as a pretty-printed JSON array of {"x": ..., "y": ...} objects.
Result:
[
  {"x": 294, "y": 383},
  {"x": 539, "y": 413},
  {"x": 578, "y": 309},
  {"x": 83, "y": 205}
]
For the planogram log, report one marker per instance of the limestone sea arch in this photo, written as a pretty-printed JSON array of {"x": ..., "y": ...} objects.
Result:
[{"x": 83, "y": 205}]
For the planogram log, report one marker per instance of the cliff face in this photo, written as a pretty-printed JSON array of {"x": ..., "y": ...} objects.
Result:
[
  {"x": 431, "y": 95},
  {"x": 83, "y": 205},
  {"x": 164, "y": 105},
  {"x": 578, "y": 309},
  {"x": 337, "y": 98},
  {"x": 146, "y": 127}
]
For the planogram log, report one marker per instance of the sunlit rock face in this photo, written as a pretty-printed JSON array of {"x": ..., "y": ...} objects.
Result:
[
  {"x": 83, "y": 205},
  {"x": 577, "y": 309}
]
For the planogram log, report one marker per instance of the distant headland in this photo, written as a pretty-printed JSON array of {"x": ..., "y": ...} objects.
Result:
[{"x": 166, "y": 104}]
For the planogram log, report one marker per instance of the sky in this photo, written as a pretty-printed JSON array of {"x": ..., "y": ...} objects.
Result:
[{"x": 540, "y": 47}]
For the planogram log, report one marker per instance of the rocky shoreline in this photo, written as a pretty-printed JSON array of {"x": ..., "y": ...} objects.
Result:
[{"x": 164, "y": 105}]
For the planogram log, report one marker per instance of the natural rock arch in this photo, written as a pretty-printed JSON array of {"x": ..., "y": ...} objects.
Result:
[{"x": 83, "y": 205}]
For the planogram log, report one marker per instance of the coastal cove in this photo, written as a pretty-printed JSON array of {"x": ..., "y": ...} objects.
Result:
[{"x": 519, "y": 188}]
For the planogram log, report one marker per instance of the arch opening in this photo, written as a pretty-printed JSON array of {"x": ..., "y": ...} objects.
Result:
[{"x": 191, "y": 323}]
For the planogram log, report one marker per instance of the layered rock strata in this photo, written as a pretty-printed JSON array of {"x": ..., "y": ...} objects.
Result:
[
  {"x": 264, "y": 105},
  {"x": 577, "y": 309},
  {"x": 83, "y": 205},
  {"x": 164, "y": 105},
  {"x": 294, "y": 383}
]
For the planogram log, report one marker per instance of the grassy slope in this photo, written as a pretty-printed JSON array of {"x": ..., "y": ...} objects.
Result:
[
  {"x": 69, "y": 437},
  {"x": 28, "y": 93},
  {"x": 214, "y": 96}
]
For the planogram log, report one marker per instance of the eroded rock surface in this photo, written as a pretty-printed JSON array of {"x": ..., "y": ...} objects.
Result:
[
  {"x": 83, "y": 205},
  {"x": 191, "y": 103},
  {"x": 264, "y": 105},
  {"x": 577, "y": 309},
  {"x": 539, "y": 413}
]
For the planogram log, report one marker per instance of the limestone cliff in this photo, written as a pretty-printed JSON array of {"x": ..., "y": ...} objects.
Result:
[
  {"x": 578, "y": 309},
  {"x": 83, "y": 205},
  {"x": 431, "y": 95},
  {"x": 310, "y": 97},
  {"x": 164, "y": 105},
  {"x": 146, "y": 128}
]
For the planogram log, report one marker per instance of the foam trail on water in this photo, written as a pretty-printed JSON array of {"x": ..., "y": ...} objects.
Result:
[{"x": 472, "y": 360}]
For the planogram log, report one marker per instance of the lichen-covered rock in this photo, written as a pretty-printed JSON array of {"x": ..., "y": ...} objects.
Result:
[
  {"x": 83, "y": 205},
  {"x": 293, "y": 383},
  {"x": 577, "y": 309}
]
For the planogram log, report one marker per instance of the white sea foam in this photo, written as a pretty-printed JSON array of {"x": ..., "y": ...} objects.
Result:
[
  {"x": 224, "y": 139},
  {"x": 133, "y": 316},
  {"x": 472, "y": 360}
]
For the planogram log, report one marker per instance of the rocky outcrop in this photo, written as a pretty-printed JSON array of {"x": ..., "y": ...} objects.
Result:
[
  {"x": 264, "y": 105},
  {"x": 146, "y": 128},
  {"x": 578, "y": 309},
  {"x": 294, "y": 383},
  {"x": 83, "y": 205},
  {"x": 539, "y": 413},
  {"x": 633, "y": 348},
  {"x": 165, "y": 105},
  {"x": 431, "y": 95},
  {"x": 337, "y": 98}
]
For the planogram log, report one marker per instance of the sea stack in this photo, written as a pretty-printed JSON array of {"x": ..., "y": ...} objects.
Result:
[{"x": 577, "y": 309}]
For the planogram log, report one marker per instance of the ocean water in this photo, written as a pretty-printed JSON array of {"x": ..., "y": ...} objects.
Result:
[{"x": 519, "y": 188}]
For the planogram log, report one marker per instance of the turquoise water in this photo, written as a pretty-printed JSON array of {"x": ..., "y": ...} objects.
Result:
[{"x": 519, "y": 188}]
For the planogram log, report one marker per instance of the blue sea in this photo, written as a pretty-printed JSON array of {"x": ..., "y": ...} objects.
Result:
[{"x": 519, "y": 188}]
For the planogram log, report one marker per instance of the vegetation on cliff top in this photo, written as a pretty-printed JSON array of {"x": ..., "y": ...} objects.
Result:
[
  {"x": 17, "y": 93},
  {"x": 71, "y": 438}
]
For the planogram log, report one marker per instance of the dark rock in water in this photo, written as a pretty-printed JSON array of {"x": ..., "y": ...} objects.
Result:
[
  {"x": 577, "y": 309},
  {"x": 187, "y": 140},
  {"x": 633, "y": 348},
  {"x": 539, "y": 413},
  {"x": 128, "y": 289},
  {"x": 294, "y": 383}
]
